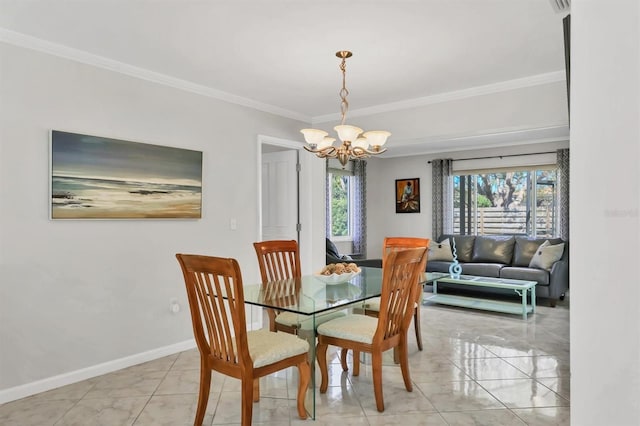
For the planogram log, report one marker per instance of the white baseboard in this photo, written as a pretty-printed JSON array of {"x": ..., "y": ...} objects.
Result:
[{"x": 28, "y": 389}]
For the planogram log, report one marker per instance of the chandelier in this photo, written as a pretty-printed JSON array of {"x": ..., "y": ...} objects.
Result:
[{"x": 353, "y": 146}]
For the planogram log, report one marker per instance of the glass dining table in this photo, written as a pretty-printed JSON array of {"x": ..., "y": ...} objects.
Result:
[{"x": 311, "y": 296}]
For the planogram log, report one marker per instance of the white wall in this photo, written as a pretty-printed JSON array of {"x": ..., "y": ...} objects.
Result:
[
  {"x": 605, "y": 218},
  {"x": 382, "y": 219},
  {"x": 75, "y": 293}
]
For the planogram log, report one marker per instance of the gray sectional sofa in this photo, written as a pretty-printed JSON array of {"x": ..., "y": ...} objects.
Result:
[{"x": 508, "y": 257}]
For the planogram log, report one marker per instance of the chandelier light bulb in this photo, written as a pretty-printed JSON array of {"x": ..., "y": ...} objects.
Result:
[
  {"x": 347, "y": 133},
  {"x": 326, "y": 142},
  {"x": 377, "y": 137},
  {"x": 361, "y": 143},
  {"x": 313, "y": 136}
]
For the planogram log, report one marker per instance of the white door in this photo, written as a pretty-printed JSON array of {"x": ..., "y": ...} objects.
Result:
[{"x": 280, "y": 195}]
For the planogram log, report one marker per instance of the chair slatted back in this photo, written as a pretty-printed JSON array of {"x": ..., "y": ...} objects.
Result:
[
  {"x": 399, "y": 291},
  {"x": 216, "y": 302},
  {"x": 278, "y": 259},
  {"x": 283, "y": 293},
  {"x": 401, "y": 243},
  {"x": 391, "y": 244}
]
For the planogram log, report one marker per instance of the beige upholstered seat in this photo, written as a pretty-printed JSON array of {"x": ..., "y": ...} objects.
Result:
[
  {"x": 297, "y": 322},
  {"x": 265, "y": 348},
  {"x": 362, "y": 333},
  {"x": 216, "y": 301},
  {"x": 359, "y": 328}
]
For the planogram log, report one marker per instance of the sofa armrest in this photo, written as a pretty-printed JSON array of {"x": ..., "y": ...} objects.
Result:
[{"x": 559, "y": 279}]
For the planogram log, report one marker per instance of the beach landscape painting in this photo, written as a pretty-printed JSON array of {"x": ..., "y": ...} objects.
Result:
[{"x": 94, "y": 177}]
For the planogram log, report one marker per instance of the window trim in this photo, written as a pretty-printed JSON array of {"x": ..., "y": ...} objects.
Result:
[{"x": 341, "y": 172}]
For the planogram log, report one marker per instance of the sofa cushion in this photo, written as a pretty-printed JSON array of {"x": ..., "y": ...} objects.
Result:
[
  {"x": 482, "y": 269},
  {"x": 464, "y": 246},
  {"x": 525, "y": 248},
  {"x": 440, "y": 251},
  {"x": 546, "y": 256},
  {"x": 493, "y": 249},
  {"x": 523, "y": 273},
  {"x": 437, "y": 266}
]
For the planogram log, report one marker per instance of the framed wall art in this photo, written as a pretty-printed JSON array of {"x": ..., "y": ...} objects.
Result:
[
  {"x": 93, "y": 177},
  {"x": 408, "y": 195}
]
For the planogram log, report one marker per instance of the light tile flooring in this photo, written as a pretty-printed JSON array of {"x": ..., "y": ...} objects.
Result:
[{"x": 477, "y": 368}]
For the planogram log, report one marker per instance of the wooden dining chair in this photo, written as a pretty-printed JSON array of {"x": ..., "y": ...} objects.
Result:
[
  {"x": 216, "y": 300},
  {"x": 280, "y": 260},
  {"x": 364, "y": 333},
  {"x": 390, "y": 244}
]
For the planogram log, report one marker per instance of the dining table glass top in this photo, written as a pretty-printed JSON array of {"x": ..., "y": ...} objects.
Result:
[{"x": 311, "y": 295}]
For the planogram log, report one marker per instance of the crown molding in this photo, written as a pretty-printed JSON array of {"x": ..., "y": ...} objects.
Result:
[
  {"x": 55, "y": 49},
  {"x": 60, "y": 50},
  {"x": 519, "y": 83},
  {"x": 497, "y": 138}
]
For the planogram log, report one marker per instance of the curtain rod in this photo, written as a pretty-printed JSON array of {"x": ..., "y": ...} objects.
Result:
[{"x": 500, "y": 156}]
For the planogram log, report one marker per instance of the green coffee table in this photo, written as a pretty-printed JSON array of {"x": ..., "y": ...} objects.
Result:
[{"x": 521, "y": 287}]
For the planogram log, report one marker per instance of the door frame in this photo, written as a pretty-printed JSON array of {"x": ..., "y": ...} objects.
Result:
[{"x": 304, "y": 181}]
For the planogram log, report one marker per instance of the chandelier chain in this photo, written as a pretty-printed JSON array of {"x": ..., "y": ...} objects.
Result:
[{"x": 344, "y": 104}]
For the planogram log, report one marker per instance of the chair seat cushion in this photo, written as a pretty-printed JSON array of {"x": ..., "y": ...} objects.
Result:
[
  {"x": 305, "y": 322},
  {"x": 359, "y": 328},
  {"x": 267, "y": 347}
]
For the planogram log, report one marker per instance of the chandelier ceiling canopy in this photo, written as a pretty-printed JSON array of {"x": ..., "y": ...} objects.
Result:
[{"x": 355, "y": 143}]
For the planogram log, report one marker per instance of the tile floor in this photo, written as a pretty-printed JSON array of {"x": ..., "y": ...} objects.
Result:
[{"x": 477, "y": 368}]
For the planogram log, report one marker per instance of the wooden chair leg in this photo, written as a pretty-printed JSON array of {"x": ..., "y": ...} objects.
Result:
[
  {"x": 416, "y": 323},
  {"x": 203, "y": 394},
  {"x": 247, "y": 401},
  {"x": 404, "y": 365},
  {"x": 356, "y": 363},
  {"x": 321, "y": 355},
  {"x": 376, "y": 366},
  {"x": 256, "y": 390},
  {"x": 343, "y": 359},
  {"x": 304, "y": 373}
]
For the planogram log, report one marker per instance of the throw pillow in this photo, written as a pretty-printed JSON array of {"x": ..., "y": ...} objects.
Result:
[
  {"x": 440, "y": 251},
  {"x": 546, "y": 256}
]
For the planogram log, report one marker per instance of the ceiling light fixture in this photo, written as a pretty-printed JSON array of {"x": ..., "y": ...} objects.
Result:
[{"x": 370, "y": 143}]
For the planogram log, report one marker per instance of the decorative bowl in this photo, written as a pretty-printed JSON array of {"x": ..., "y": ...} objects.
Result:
[{"x": 336, "y": 278}]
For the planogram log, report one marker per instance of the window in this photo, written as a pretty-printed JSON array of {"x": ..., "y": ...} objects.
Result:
[
  {"x": 516, "y": 202},
  {"x": 340, "y": 204},
  {"x": 346, "y": 205}
]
